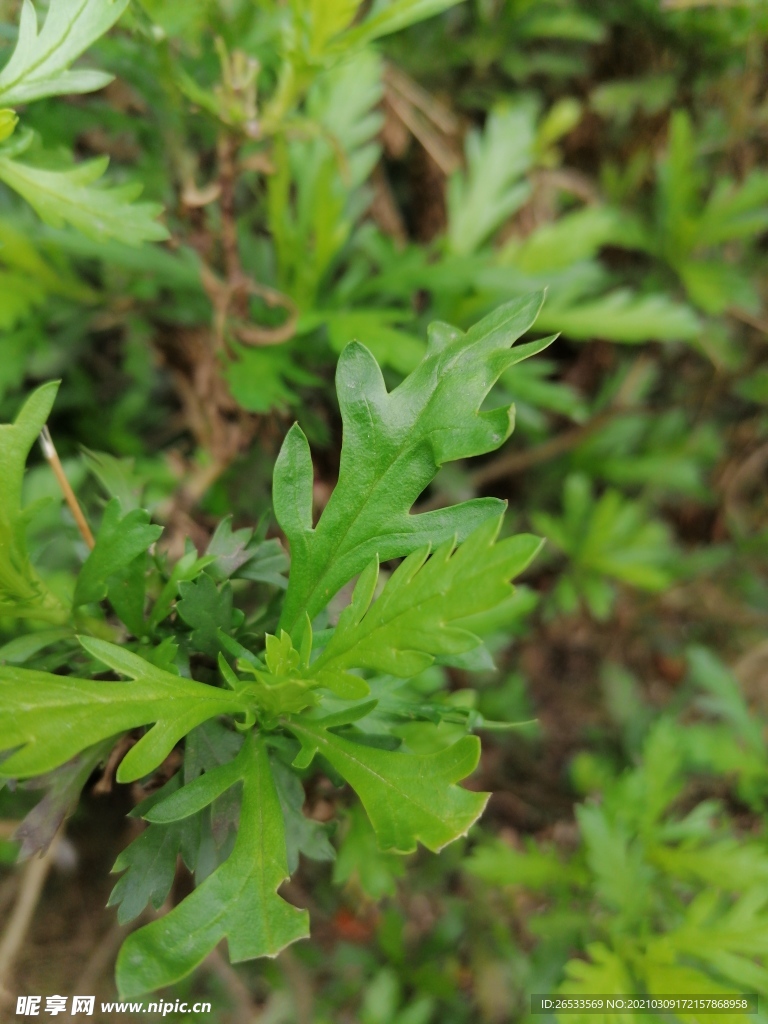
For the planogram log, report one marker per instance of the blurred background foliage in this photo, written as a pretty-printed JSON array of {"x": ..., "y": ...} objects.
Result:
[{"x": 322, "y": 183}]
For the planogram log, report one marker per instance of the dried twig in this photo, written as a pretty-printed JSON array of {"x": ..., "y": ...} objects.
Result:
[
  {"x": 433, "y": 142},
  {"x": 438, "y": 113},
  {"x": 245, "y": 1011},
  {"x": 516, "y": 462},
  {"x": 49, "y": 451},
  {"x": 30, "y": 888},
  {"x": 748, "y": 318}
]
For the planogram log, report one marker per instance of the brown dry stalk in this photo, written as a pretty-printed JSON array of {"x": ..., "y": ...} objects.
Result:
[
  {"x": 515, "y": 462},
  {"x": 49, "y": 451},
  {"x": 31, "y": 886}
]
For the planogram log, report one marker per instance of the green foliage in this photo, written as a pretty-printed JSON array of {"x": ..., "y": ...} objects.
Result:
[
  {"x": 330, "y": 178},
  {"x": 606, "y": 539},
  {"x": 419, "y": 613},
  {"x": 38, "y": 67},
  {"x": 280, "y": 693},
  {"x": 67, "y": 196},
  {"x": 239, "y": 900},
  {"x": 670, "y": 901},
  {"x": 92, "y": 710},
  {"x": 491, "y": 191},
  {"x": 432, "y": 418},
  {"x": 121, "y": 539},
  {"x": 40, "y": 63},
  {"x": 362, "y": 863},
  {"x": 409, "y": 798},
  {"x": 22, "y": 592}
]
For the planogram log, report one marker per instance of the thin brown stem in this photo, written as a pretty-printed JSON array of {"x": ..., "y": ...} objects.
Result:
[
  {"x": 227, "y": 154},
  {"x": 17, "y": 926},
  {"x": 516, "y": 462},
  {"x": 49, "y": 451}
]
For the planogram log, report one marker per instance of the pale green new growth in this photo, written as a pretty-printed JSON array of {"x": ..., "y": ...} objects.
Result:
[
  {"x": 39, "y": 64},
  {"x": 68, "y": 196}
]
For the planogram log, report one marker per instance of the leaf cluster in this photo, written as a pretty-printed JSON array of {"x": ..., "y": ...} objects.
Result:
[{"x": 294, "y": 695}]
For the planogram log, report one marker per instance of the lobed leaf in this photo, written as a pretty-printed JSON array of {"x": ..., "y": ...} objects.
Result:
[
  {"x": 494, "y": 185},
  {"x": 69, "y": 196},
  {"x": 120, "y": 540},
  {"x": 409, "y": 798},
  {"x": 39, "y": 64},
  {"x": 149, "y": 863},
  {"x": 46, "y": 717},
  {"x": 419, "y": 614},
  {"x": 393, "y": 445},
  {"x": 238, "y": 901}
]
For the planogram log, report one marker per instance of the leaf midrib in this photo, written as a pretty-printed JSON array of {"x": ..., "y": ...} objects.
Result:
[
  {"x": 425, "y": 810},
  {"x": 399, "y": 452},
  {"x": 59, "y": 42}
]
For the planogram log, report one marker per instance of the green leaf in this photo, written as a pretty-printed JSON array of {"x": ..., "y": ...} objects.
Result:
[
  {"x": 624, "y": 316},
  {"x": 390, "y": 344},
  {"x": 409, "y": 798},
  {"x": 393, "y": 445},
  {"x": 208, "y": 746},
  {"x": 611, "y": 537},
  {"x": 68, "y": 196},
  {"x": 604, "y": 972},
  {"x": 559, "y": 244},
  {"x": 622, "y": 877},
  {"x": 39, "y": 63},
  {"x": 491, "y": 189},
  {"x": 238, "y": 901},
  {"x": 230, "y": 550},
  {"x": 63, "y": 787},
  {"x": 267, "y": 564},
  {"x": 265, "y": 379},
  {"x": 715, "y": 286},
  {"x": 535, "y": 868},
  {"x": 149, "y": 863},
  {"x": 735, "y": 211},
  {"x": 207, "y": 608},
  {"x": 188, "y": 568},
  {"x": 120, "y": 540},
  {"x": 388, "y": 16},
  {"x": 127, "y": 593},
  {"x": 51, "y": 718},
  {"x": 302, "y": 834},
  {"x": 419, "y": 614},
  {"x": 22, "y": 592},
  {"x": 361, "y": 862},
  {"x": 726, "y": 863},
  {"x": 621, "y": 98},
  {"x": 725, "y": 698},
  {"x": 22, "y": 648},
  {"x": 239, "y": 553},
  {"x": 729, "y": 938}
]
